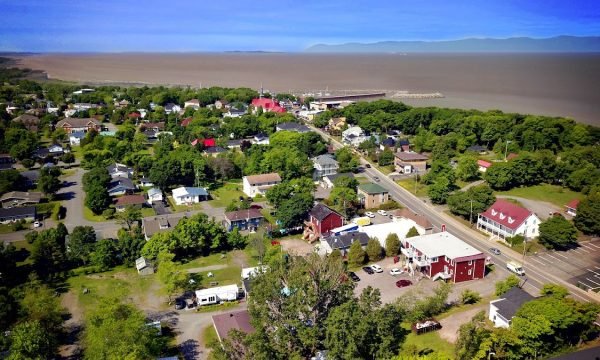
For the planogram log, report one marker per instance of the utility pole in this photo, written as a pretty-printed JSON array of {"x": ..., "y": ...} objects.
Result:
[
  {"x": 506, "y": 149},
  {"x": 471, "y": 214},
  {"x": 416, "y": 179}
]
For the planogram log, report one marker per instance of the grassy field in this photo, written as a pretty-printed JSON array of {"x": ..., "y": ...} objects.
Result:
[
  {"x": 90, "y": 216},
  {"x": 8, "y": 228},
  {"x": 429, "y": 342},
  {"x": 225, "y": 194},
  {"x": 182, "y": 208},
  {"x": 409, "y": 184},
  {"x": 209, "y": 334},
  {"x": 213, "y": 259},
  {"x": 554, "y": 194},
  {"x": 532, "y": 247}
]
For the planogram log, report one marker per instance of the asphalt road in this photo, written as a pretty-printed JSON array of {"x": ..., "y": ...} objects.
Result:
[{"x": 535, "y": 276}]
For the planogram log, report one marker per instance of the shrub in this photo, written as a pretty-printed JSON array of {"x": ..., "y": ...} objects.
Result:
[
  {"x": 469, "y": 297},
  {"x": 109, "y": 213},
  {"x": 390, "y": 205},
  {"x": 374, "y": 250}
]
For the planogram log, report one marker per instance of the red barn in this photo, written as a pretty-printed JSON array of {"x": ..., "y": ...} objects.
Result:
[
  {"x": 444, "y": 256},
  {"x": 321, "y": 220}
]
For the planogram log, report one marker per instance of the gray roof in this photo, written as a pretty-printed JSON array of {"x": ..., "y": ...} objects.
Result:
[
  {"x": 18, "y": 211},
  {"x": 345, "y": 241},
  {"x": 31, "y": 175},
  {"x": 121, "y": 181},
  {"x": 292, "y": 126},
  {"x": 154, "y": 191},
  {"x": 321, "y": 211},
  {"x": 152, "y": 225},
  {"x": 325, "y": 160},
  {"x": 215, "y": 150},
  {"x": 511, "y": 301}
]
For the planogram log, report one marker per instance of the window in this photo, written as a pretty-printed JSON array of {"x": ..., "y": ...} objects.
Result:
[
  {"x": 470, "y": 262},
  {"x": 469, "y": 272},
  {"x": 434, "y": 259}
]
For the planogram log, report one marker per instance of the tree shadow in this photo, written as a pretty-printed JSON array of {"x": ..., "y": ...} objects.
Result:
[
  {"x": 65, "y": 196},
  {"x": 189, "y": 349}
]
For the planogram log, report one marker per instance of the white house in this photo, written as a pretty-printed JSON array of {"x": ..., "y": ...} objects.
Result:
[
  {"x": 324, "y": 165},
  {"x": 193, "y": 103},
  {"x": 217, "y": 295},
  {"x": 75, "y": 138},
  {"x": 145, "y": 182},
  {"x": 119, "y": 170},
  {"x": 154, "y": 194},
  {"x": 504, "y": 309},
  {"x": 170, "y": 107},
  {"x": 260, "y": 139},
  {"x": 505, "y": 219},
  {"x": 353, "y": 136},
  {"x": 189, "y": 195},
  {"x": 259, "y": 184}
]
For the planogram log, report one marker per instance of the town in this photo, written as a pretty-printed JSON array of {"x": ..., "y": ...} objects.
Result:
[{"x": 234, "y": 223}]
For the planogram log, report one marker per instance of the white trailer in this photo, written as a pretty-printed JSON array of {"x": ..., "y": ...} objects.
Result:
[
  {"x": 217, "y": 294},
  {"x": 252, "y": 271}
]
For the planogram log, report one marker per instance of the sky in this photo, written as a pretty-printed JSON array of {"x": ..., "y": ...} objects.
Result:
[{"x": 230, "y": 25}]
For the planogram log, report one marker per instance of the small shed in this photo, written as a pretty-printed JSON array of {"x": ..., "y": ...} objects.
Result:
[{"x": 143, "y": 266}]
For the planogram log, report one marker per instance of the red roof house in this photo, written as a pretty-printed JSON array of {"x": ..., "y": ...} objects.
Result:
[
  {"x": 572, "y": 207},
  {"x": 207, "y": 143},
  {"x": 185, "y": 122},
  {"x": 129, "y": 200},
  {"x": 134, "y": 115},
  {"x": 322, "y": 220},
  {"x": 505, "y": 219},
  {"x": 268, "y": 105},
  {"x": 483, "y": 165}
]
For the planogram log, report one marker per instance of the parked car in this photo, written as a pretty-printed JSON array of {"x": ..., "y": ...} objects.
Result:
[
  {"x": 495, "y": 251},
  {"x": 376, "y": 178},
  {"x": 376, "y": 268},
  {"x": 368, "y": 166},
  {"x": 368, "y": 270},
  {"x": 515, "y": 267},
  {"x": 396, "y": 271},
  {"x": 369, "y": 214},
  {"x": 382, "y": 212},
  {"x": 353, "y": 276},
  {"x": 403, "y": 283},
  {"x": 37, "y": 224},
  {"x": 180, "y": 304}
]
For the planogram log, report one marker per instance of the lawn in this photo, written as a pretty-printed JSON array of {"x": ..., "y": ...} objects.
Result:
[
  {"x": 148, "y": 211},
  {"x": 90, "y": 216},
  {"x": 224, "y": 195},
  {"x": 209, "y": 335},
  {"x": 213, "y": 259},
  {"x": 409, "y": 184},
  {"x": 8, "y": 228},
  {"x": 429, "y": 342},
  {"x": 183, "y": 208},
  {"x": 554, "y": 194},
  {"x": 532, "y": 247}
]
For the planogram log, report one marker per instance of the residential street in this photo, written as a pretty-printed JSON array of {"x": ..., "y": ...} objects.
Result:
[{"x": 536, "y": 275}]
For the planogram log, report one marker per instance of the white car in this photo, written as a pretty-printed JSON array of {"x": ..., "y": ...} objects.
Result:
[
  {"x": 37, "y": 224},
  {"x": 395, "y": 271},
  {"x": 376, "y": 268},
  {"x": 382, "y": 212},
  {"x": 369, "y": 214}
]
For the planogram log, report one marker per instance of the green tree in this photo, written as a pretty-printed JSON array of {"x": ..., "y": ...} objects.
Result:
[
  {"x": 48, "y": 183},
  {"x": 97, "y": 198},
  {"x": 356, "y": 255},
  {"x": 81, "y": 243},
  {"x": 588, "y": 214},
  {"x": 130, "y": 244},
  {"x": 507, "y": 284},
  {"x": 118, "y": 331},
  {"x": 347, "y": 161},
  {"x": 557, "y": 233},
  {"x": 471, "y": 202},
  {"x": 392, "y": 244},
  {"x": 439, "y": 191},
  {"x": 293, "y": 211},
  {"x": 68, "y": 158},
  {"x": 554, "y": 290},
  {"x": 386, "y": 157},
  {"x": 105, "y": 255},
  {"x": 467, "y": 169},
  {"x": 374, "y": 250},
  {"x": 236, "y": 240},
  {"x": 48, "y": 253},
  {"x": 30, "y": 340},
  {"x": 343, "y": 200},
  {"x": 130, "y": 216},
  {"x": 412, "y": 232},
  {"x": 471, "y": 336},
  {"x": 469, "y": 296},
  {"x": 172, "y": 278}
]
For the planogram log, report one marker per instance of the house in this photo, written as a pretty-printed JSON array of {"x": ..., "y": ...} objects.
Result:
[
  {"x": 119, "y": 170},
  {"x": 234, "y": 113},
  {"x": 328, "y": 180},
  {"x": 150, "y": 134},
  {"x": 321, "y": 220},
  {"x": 400, "y": 227},
  {"x": 30, "y": 122},
  {"x": 505, "y": 219},
  {"x": 185, "y": 122},
  {"x": 343, "y": 242},
  {"x": 19, "y": 198},
  {"x": 155, "y": 126},
  {"x": 260, "y": 139},
  {"x": 136, "y": 201},
  {"x": 143, "y": 266},
  {"x": 234, "y": 144},
  {"x": 193, "y": 103},
  {"x": 189, "y": 195},
  {"x": 53, "y": 150},
  {"x": 238, "y": 320},
  {"x": 6, "y": 162},
  {"x": 220, "y": 104},
  {"x": 404, "y": 145},
  {"x": 353, "y": 136},
  {"x": 444, "y": 256},
  {"x": 206, "y": 143},
  {"x": 120, "y": 186},
  {"x": 372, "y": 195},
  {"x": 214, "y": 151},
  {"x": 26, "y": 213},
  {"x": 572, "y": 207},
  {"x": 76, "y": 124},
  {"x": 158, "y": 224},
  {"x": 145, "y": 182},
  {"x": 387, "y": 143},
  {"x": 243, "y": 219},
  {"x": 267, "y": 105},
  {"x": 83, "y": 91},
  {"x": 503, "y": 310},
  {"x": 31, "y": 177},
  {"x": 292, "y": 126},
  {"x": 76, "y": 137},
  {"x": 170, "y": 107},
  {"x": 259, "y": 184},
  {"x": 410, "y": 162},
  {"x": 154, "y": 194},
  {"x": 84, "y": 106},
  {"x": 483, "y": 165},
  {"x": 420, "y": 220},
  {"x": 336, "y": 124},
  {"x": 324, "y": 165}
]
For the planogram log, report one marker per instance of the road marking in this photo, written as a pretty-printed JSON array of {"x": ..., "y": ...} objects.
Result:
[
  {"x": 580, "y": 249},
  {"x": 554, "y": 258},
  {"x": 561, "y": 255},
  {"x": 592, "y": 281},
  {"x": 592, "y": 244},
  {"x": 582, "y": 283},
  {"x": 597, "y": 267},
  {"x": 587, "y": 247},
  {"x": 538, "y": 261},
  {"x": 592, "y": 271}
]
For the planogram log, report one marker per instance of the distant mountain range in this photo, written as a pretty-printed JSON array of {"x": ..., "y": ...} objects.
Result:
[{"x": 516, "y": 44}]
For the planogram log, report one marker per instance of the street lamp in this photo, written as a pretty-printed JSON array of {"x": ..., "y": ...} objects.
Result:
[{"x": 490, "y": 354}]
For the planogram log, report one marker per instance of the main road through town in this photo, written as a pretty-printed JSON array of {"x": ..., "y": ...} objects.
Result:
[{"x": 535, "y": 275}]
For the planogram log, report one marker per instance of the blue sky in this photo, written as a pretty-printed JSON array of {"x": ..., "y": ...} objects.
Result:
[{"x": 200, "y": 25}]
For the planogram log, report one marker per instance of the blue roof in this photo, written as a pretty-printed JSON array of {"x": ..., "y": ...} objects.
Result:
[{"x": 196, "y": 191}]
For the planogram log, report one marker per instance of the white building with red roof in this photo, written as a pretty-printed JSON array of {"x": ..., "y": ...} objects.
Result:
[
  {"x": 505, "y": 219},
  {"x": 483, "y": 165},
  {"x": 268, "y": 105},
  {"x": 572, "y": 207}
]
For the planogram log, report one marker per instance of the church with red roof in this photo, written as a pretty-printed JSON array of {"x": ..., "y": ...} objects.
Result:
[
  {"x": 505, "y": 219},
  {"x": 268, "y": 105}
]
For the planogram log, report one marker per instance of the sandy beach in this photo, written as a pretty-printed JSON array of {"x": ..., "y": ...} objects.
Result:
[{"x": 548, "y": 84}]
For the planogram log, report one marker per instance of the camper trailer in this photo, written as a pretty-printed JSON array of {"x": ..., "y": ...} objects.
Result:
[
  {"x": 252, "y": 271},
  {"x": 217, "y": 295}
]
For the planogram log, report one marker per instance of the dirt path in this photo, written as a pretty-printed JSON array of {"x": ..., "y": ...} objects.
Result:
[
  {"x": 72, "y": 326},
  {"x": 451, "y": 324}
]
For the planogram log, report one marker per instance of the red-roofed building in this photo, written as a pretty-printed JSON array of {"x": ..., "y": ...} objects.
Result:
[
  {"x": 572, "y": 207},
  {"x": 185, "y": 122},
  {"x": 129, "y": 200},
  {"x": 134, "y": 115},
  {"x": 505, "y": 219},
  {"x": 206, "y": 143},
  {"x": 483, "y": 165},
  {"x": 268, "y": 105}
]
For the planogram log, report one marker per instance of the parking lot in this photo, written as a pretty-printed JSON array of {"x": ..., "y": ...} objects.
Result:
[{"x": 580, "y": 266}]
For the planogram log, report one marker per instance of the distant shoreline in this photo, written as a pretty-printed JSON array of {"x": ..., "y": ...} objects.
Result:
[{"x": 545, "y": 84}]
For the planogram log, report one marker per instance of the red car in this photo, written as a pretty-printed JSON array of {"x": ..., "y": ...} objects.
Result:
[{"x": 403, "y": 283}]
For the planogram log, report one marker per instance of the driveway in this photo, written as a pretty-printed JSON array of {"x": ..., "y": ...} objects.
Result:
[{"x": 160, "y": 209}]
